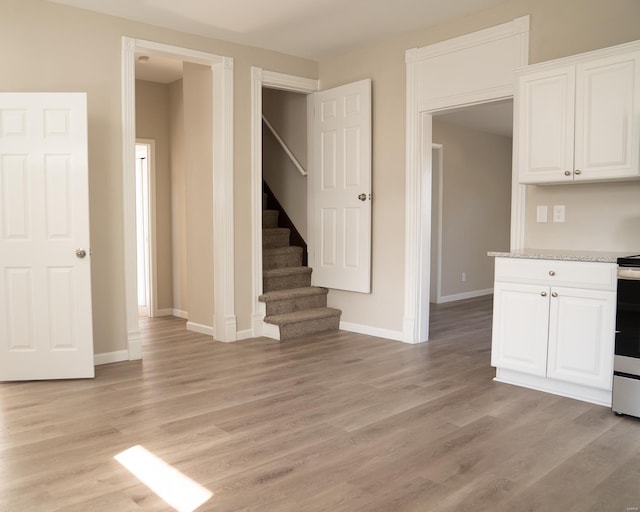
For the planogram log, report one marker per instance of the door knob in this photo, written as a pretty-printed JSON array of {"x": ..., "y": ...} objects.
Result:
[
  {"x": 362, "y": 197},
  {"x": 578, "y": 171},
  {"x": 543, "y": 294},
  {"x": 81, "y": 253},
  {"x": 554, "y": 294},
  {"x": 567, "y": 173}
]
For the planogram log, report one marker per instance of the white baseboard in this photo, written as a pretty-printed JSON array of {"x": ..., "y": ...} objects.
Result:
[
  {"x": 465, "y": 295},
  {"x": 244, "y": 335},
  {"x": 270, "y": 331},
  {"x": 172, "y": 312},
  {"x": 110, "y": 357},
  {"x": 372, "y": 331},
  {"x": 202, "y": 329}
]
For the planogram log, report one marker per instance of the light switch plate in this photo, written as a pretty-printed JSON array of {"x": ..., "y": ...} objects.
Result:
[{"x": 542, "y": 213}]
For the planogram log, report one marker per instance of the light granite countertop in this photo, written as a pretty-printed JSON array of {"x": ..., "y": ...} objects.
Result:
[{"x": 553, "y": 254}]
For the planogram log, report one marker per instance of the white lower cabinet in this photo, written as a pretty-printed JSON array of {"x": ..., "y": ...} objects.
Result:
[{"x": 555, "y": 337}]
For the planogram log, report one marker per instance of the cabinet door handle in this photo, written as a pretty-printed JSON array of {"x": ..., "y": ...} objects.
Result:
[
  {"x": 552, "y": 273},
  {"x": 544, "y": 294},
  {"x": 567, "y": 173},
  {"x": 578, "y": 171},
  {"x": 554, "y": 294}
]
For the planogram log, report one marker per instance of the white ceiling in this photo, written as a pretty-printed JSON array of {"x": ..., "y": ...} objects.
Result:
[{"x": 307, "y": 28}]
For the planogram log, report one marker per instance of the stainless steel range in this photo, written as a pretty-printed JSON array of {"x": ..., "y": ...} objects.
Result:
[{"x": 626, "y": 363}]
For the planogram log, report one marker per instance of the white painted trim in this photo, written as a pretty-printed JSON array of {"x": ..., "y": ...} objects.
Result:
[
  {"x": 418, "y": 171},
  {"x": 223, "y": 201},
  {"x": 465, "y": 295},
  {"x": 262, "y": 78},
  {"x": 179, "y": 313},
  {"x": 372, "y": 331},
  {"x": 270, "y": 331},
  {"x": 135, "y": 349},
  {"x": 223, "y": 214},
  {"x": 555, "y": 387},
  {"x": 201, "y": 329},
  {"x": 518, "y": 26},
  {"x": 244, "y": 335},
  {"x": 110, "y": 357}
]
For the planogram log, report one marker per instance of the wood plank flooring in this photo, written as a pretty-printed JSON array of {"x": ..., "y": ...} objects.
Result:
[{"x": 334, "y": 422}]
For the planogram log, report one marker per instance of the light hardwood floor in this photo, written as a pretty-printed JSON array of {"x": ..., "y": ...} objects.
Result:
[{"x": 336, "y": 422}]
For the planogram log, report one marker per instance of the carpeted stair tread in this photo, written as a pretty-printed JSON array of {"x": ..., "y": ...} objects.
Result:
[
  {"x": 293, "y": 293},
  {"x": 302, "y": 316},
  {"x": 284, "y": 272},
  {"x": 275, "y": 251}
]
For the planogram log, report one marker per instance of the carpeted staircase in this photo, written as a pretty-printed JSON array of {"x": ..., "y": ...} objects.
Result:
[{"x": 294, "y": 306}]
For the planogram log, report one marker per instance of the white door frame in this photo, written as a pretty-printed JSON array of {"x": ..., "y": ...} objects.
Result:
[
  {"x": 262, "y": 78},
  {"x": 224, "y": 320},
  {"x": 152, "y": 252},
  {"x": 424, "y": 96}
]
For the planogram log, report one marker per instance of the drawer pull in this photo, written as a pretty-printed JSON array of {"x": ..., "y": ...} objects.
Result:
[
  {"x": 554, "y": 294},
  {"x": 552, "y": 273},
  {"x": 567, "y": 173},
  {"x": 543, "y": 294}
]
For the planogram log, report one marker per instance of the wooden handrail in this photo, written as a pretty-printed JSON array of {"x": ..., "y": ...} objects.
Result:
[{"x": 284, "y": 146}]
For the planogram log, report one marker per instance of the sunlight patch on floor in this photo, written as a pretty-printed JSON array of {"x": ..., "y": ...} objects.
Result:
[{"x": 178, "y": 490}]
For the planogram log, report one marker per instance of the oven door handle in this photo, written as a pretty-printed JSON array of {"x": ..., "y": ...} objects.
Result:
[{"x": 629, "y": 273}]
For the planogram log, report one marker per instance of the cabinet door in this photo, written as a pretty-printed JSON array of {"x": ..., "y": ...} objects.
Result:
[
  {"x": 544, "y": 125},
  {"x": 607, "y": 139},
  {"x": 581, "y": 336},
  {"x": 520, "y": 327}
]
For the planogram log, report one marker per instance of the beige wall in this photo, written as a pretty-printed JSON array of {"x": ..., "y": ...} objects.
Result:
[
  {"x": 557, "y": 29},
  {"x": 153, "y": 122},
  {"x": 50, "y": 47},
  {"x": 476, "y": 204},
  {"x": 198, "y": 151},
  {"x": 178, "y": 200},
  {"x": 287, "y": 113}
]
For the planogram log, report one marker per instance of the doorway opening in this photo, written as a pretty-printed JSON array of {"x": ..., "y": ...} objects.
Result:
[
  {"x": 145, "y": 234},
  {"x": 471, "y": 198},
  {"x": 221, "y": 321}
]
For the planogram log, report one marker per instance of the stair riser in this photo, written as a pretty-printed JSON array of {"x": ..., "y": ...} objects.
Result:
[
  {"x": 269, "y": 219},
  {"x": 270, "y": 262},
  {"x": 274, "y": 284},
  {"x": 280, "y": 307},
  {"x": 308, "y": 327},
  {"x": 275, "y": 240}
]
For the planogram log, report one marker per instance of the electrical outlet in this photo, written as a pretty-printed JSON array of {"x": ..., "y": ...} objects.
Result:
[
  {"x": 558, "y": 213},
  {"x": 463, "y": 277}
]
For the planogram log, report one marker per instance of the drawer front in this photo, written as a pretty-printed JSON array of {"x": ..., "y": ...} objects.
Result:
[{"x": 577, "y": 274}]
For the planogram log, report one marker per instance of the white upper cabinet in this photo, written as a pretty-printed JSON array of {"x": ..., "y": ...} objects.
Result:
[{"x": 578, "y": 119}]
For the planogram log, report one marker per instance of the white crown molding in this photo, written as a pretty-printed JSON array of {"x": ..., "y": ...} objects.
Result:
[{"x": 518, "y": 26}]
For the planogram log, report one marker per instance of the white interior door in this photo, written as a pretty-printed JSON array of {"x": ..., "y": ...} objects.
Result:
[
  {"x": 45, "y": 279},
  {"x": 341, "y": 197}
]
